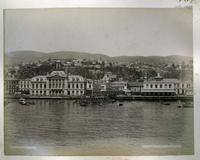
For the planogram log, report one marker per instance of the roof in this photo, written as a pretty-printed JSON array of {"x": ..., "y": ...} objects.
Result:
[
  {"x": 41, "y": 78},
  {"x": 164, "y": 81},
  {"x": 135, "y": 84},
  {"x": 57, "y": 73}
]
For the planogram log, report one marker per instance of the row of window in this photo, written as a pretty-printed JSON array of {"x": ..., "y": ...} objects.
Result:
[
  {"x": 56, "y": 85},
  {"x": 38, "y": 92},
  {"x": 158, "y": 85},
  {"x": 39, "y": 79},
  {"x": 24, "y": 82},
  {"x": 76, "y": 86},
  {"x": 74, "y": 79},
  {"x": 166, "y": 85},
  {"x": 38, "y": 85},
  {"x": 75, "y": 92},
  {"x": 56, "y": 81}
]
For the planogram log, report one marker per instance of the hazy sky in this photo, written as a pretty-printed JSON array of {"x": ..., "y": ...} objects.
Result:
[{"x": 108, "y": 31}]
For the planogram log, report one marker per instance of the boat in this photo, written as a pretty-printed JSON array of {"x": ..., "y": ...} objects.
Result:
[
  {"x": 120, "y": 104},
  {"x": 84, "y": 103},
  {"x": 22, "y": 101},
  {"x": 113, "y": 100},
  {"x": 188, "y": 104}
]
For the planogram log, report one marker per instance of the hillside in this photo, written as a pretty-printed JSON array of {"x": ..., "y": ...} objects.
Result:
[{"x": 18, "y": 57}]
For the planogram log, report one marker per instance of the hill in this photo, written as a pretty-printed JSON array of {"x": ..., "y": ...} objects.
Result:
[{"x": 19, "y": 57}]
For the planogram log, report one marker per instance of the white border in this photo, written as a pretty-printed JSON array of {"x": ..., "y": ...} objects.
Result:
[{"x": 9, "y": 4}]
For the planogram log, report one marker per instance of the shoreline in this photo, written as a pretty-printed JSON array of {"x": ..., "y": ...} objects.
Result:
[{"x": 125, "y": 98}]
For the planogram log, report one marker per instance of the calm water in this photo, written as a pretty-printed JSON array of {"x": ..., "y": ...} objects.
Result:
[{"x": 61, "y": 127}]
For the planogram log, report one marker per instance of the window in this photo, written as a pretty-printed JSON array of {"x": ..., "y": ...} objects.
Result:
[
  {"x": 156, "y": 86},
  {"x": 170, "y": 86},
  {"x": 68, "y": 85},
  {"x": 165, "y": 85},
  {"x": 147, "y": 85},
  {"x": 36, "y": 85},
  {"x": 76, "y": 85},
  {"x": 151, "y": 86},
  {"x": 44, "y": 85},
  {"x": 40, "y": 85},
  {"x": 160, "y": 85}
]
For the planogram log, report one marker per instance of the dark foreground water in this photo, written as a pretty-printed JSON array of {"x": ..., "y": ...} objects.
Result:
[{"x": 61, "y": 127}]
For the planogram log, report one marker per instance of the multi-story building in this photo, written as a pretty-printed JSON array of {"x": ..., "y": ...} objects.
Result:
[
  {"x": 56, "y": 83},
  {"x": 24, "y": 84},
  {"x": 163, "y": 87},
  {"x": 166, "y": 87},
  {"x": 135, "y": 87},
  {"x": 38, "y": 85},
  {"x": 76, "y": 85},
  {"x": 11, "y": 86}
]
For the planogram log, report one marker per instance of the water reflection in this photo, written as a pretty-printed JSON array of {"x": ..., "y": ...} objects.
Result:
[{"x": 65, "y": 123}]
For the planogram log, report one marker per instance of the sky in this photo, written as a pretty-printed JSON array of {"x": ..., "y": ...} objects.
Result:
[{"x": 114, "y": 32}]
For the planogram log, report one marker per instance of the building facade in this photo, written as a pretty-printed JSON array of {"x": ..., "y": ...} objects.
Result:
[
  {"x": 166, "y": 87},
  {"x": 38, "y": 86},
  {"x": 11, "y": 86}
]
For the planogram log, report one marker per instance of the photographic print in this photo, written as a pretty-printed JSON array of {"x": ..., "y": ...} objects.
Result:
[{"x": 98, "y": 81}]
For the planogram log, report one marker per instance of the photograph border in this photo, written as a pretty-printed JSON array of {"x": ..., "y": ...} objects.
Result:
[{"x": 25, "y": 4}]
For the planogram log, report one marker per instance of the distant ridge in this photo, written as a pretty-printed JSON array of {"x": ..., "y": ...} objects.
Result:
[{"x": 18, "y": 57}]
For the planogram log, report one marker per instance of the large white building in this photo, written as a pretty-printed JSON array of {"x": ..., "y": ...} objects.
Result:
[
  {"x": 38, "y": 85},
  {"x": 166, "y": 87},
  {"x": 57, "y": 83}
]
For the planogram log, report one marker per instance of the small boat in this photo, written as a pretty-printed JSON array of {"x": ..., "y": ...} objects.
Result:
[
  {"x": 188, "y": 104},
  {"x": 22, "y": 101},
  {"x": 84, "y": 103},
  {"x": 120, "y": 104},
  {"x": 113, "y": 101}
]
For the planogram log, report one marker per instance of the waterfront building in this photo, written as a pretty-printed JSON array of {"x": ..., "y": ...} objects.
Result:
[
  {"x": 38, "y": 86},
  {"x": 163, "y": 87},
  {"x": 24, "y": 84},
  {"x": 184, "y": 88},
  {"x": 166, "y": 87},
  {"x": 11, "y": 86},
  {"x": 56, "y": 83},
  {"x": 135, "y": 87},
  {"x": 75, "y": 85},
  {"x": 119, "y": 86}
]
